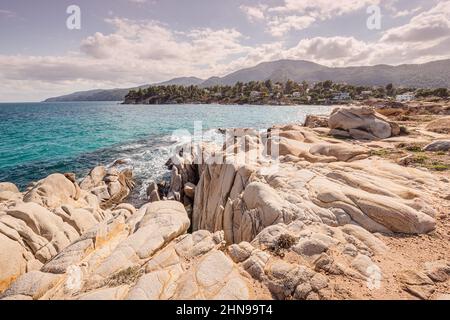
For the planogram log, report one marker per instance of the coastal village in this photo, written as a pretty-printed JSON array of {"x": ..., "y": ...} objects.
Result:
[{"x": 287, "y": 93}]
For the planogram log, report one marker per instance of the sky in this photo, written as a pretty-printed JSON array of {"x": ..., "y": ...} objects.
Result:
[{"x": 125, "y": 43}]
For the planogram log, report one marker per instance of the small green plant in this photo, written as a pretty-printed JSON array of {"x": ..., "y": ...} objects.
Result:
[
  {"x": 404, "y": 130},
  {"x": 420, "y": 159},
  {"x": 380, "y": 152},
  {"x": 127, "y": 276},
  {"x": 414, "y": 148},
  {"x": 284, "y": 242},
  {"x": 438, "y": 166}
]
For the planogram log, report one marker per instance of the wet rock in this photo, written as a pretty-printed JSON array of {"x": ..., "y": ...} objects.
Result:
[{"x": 153, "y": 193}]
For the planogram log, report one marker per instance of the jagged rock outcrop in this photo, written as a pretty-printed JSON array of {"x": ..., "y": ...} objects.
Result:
[
  {"x": 110, "y": 186},
  {"x": 145, "y": 256},
  {"x": 51, "y": 215},
  {"x": 314, "y": 121},
  {"x": 315, "y": 182},
  {"x": 286, "y": 214},
  {"x": 362, "y": 123}
]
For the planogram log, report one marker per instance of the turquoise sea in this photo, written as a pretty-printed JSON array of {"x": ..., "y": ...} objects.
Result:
[{"x": 38, "y": 139}]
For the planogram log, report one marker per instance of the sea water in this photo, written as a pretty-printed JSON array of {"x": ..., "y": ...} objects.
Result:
[{"x": 38, "y": 139}]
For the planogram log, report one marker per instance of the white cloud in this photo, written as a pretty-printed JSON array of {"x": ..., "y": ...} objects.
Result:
[
  {"x": 331, "y": 51},
  {"x": 279, "y": 26},
  {"x": 137, "y": 52},
  {"x": 323, "y": 9},
  {"x": 426, "y": 37},
  {"x": 254, "y": 13},
  {"x": 7, "y": 14},
  {"x": 427, "y": 26},
  {"x": 301, "y": 14},
  {"x": 405, "y": 13},
  {"x": 140, "y": 52}
]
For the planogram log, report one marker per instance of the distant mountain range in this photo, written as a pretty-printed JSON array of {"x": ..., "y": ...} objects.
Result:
[
  {"x": 428, "y": 75},
  {"x": 119, "y": 94}
]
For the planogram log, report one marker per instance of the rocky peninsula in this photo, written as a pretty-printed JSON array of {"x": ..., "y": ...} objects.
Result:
[{"x": 354, "y": 205}]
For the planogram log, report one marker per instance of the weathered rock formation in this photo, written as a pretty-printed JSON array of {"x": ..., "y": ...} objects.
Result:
[
  {"x": 110, "y": 186},
  {"x": 53, "y": 213},
  {"x": 316, "y": 181},
  {"x": 438, "y": 145},
  {"x": 361, "y": 123},
  {"x": 313, "y": 121},
  {"x": 441, "y": 125},
  {"x": 286, "y": 214},
  {"x": 146, "y": 255}
]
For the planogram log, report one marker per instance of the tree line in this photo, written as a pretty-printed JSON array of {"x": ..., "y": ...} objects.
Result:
[{"x": 268, "y": 92}]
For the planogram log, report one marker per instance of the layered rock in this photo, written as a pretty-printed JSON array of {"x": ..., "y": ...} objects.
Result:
[
  {"x": 286, "y": 214},
  {"x": 110, "y": 186},
  {"x": 439, "y": 145},
  {"x": 51, "y": 215},
  {"x": 314, "y": 121},
  {"x": 144, "y": 256},
  {"x": 316, "y": 181},
  {"x": 362, "y": 123}
]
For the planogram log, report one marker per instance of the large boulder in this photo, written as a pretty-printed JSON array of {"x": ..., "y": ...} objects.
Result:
[
  {"x": 8, "y": 186},
  {"x": 12, "y": 261},
  {"x": 43, "y": 231},
  {"x": 110, "y": 186},
  {"x": 362, "y": 123},
  {"x": 441, "y": 125},
  {"x": 214, "y": 277},
  {"x": 440, "y": 145},
  {"x": 314, "y": 121},
  {"x": 53, "y": 191},
  {"x": 33, "y": 284},
  {"x": 94, "y": 178},
  {"x": 161, "y": 222}
]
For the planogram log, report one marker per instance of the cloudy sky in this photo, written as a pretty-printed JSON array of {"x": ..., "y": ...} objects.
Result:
[{"x": 123, "y": 43}]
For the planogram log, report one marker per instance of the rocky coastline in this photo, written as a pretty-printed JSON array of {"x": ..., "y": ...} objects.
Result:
[{"x": 351, "y": 206}]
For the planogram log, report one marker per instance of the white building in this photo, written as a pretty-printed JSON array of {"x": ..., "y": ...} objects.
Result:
[
  {"x": 255, "y": 94},
  {"x": 342, "y": 96},
  {"x": 409, "y": 96},
  {"x": 296, "y": 94}
]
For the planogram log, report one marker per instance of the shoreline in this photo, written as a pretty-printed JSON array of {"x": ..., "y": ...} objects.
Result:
[
  {"x": 321, "y": 216},
  {"x": 85, "y": 161}
]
